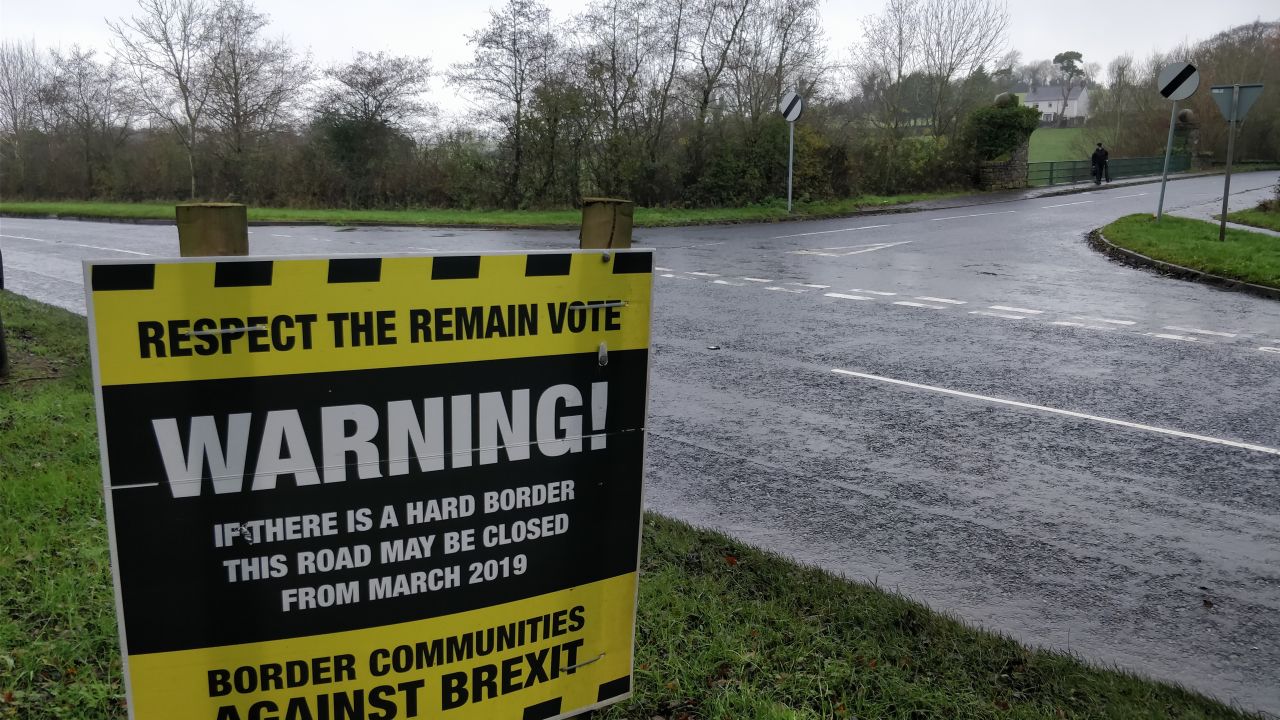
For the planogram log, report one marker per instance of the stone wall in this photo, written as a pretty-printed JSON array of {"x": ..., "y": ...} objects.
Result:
[{"x": 1005, "y": 174}]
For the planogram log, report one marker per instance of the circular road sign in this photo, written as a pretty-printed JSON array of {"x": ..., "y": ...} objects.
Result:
[
  {"x": 1178, "y": 81},
  {"x": 791, "y": 106}
]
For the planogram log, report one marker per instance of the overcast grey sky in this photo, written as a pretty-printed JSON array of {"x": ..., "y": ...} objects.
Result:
[{"x": 335, "y": 29}]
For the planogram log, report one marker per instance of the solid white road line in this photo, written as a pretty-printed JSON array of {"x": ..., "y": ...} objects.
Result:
[
  {"x": 1081, "y": 202},
  {"x": 785, "y": 290},
  {"x": 828, "y": 232},
  {"x": 1168, "y": 336},
  {"x": 921, "y": 305},
  {"x": 999, "y": 315},
  {"x": 957, "y": 217},
  {"x": 843, "y": 296},
  {"x": 1006, "y": 308},
  {"x": 23, "y": 237},
  {"x": 1198, "y": 331},
  {"x": 872, "y": 292},
  {"x": 1106, "y": 320},
  {"x": 1068, "y": 413},
  {"x": 926, "y": 298},
  {"x": 751, "y": 279}
]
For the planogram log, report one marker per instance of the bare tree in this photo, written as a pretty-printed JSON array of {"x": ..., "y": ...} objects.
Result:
[
  {"x": 715, "y": 25},
  {"x": 23, "y": 74},
  {"x": 511, "y": 54},
  {"x": 668, "y": 23},
  {"x": 780, "y": 46},
  {"x": 614, "y": 48},
  {"x": 956, "y": 38},
  {"x": 169, "y": 46},
  {"x": 890, "y": 51},
  {"x": 378, "y": 88},
  {"x": 253, "y": 80},
  {"x": 91, "y": 100}
]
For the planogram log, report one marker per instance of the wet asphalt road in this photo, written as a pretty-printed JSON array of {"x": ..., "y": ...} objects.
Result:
[{"x": 1104, "y": 531}]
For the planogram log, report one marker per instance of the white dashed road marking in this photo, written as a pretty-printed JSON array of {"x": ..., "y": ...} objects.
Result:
[
  {"x": 1068, "y": 413},
  {"x": 957, "y": 217},
  {"x": 1107, "y": 320},
  {"x": 785, "y": 290},
  {"x": 1066, "y": 323},
  {"x": 926, "y": 298},
  {"x": 759, "y": 280},
  {"x": 1168, "y": 336},
  {"x": 872, "y": 292},
  {"x": 704, "y": 274},
  {"x": 827, "y": 232},
  {"x": 1081, "y": 202},
  {"x": 810, "y": 285},
  {"x": 1270, "y": 349},
  {"x": 1198, "y": 331},
  {"x": 921, "y": 305},
  {"x": 843, "y": 296},
  {"x": 1121, "y": 197},
  {"x": 999, "y": 315},
  {"x": 1006, "y": 308},
  {"x": 727, "y": 282},
  {"x": 79, "y": 245}
]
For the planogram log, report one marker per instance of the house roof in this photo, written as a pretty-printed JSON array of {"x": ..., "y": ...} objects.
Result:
[{"x": 1052, "y": 92}]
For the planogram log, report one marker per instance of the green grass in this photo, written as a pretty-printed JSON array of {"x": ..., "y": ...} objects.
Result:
[
  {"x": 1251, "y": 257},
  {"x": 1263, "y": 216},
  {"x": 724, "y": 631},
  {"x": 644, "y": 217},
  {"x": 1053, "y": 144}
]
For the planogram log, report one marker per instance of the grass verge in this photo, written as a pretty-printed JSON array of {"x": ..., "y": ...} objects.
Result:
[
  {"x": 1258, "y": 217},
  {"x": 1251, "y": 257},
  {"x": 1053, "y": 144},
  {"x": 644, "y": 217},
  {"x": 724, "y": 631}
]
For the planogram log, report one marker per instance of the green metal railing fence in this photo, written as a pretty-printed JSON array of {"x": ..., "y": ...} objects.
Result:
[{"x": 1065, "y": 172}]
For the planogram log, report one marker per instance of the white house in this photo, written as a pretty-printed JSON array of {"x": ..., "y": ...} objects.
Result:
[{"x": 1048, "y": 100}]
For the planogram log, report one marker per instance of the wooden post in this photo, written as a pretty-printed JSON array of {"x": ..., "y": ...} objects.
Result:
[
  {"x": 210, "y": 229},
  {"x": 606, "y": 223}
]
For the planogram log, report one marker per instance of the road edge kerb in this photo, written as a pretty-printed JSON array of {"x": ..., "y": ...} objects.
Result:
[
  {"x": 891, "y": 210},
  {"x": 904, "y": 208},
  {"x": 1099, "y": 242}
]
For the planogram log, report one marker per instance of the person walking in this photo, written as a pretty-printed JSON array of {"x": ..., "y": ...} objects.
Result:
[{"x": 1099, "y": 162}]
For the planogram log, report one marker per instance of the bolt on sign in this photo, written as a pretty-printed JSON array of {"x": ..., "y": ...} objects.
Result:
[{"x": 373, "y": 488}]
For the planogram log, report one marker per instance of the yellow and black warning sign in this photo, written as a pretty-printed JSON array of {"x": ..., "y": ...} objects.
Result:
[{"x": 370, "y": 488}]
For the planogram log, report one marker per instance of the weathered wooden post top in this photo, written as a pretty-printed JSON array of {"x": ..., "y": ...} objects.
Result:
[
  {"x": 208, "y": 229},
  {"x": 606, "y": 223}
]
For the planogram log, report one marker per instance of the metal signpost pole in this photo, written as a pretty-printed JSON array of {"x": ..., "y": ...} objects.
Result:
[
  {"x": 791, "y": 157},
  {"x": 1177, "y": 81},
  {"x": 1231, "y": 151},
  {"x": 791, "y": 106},
  {"x": 1168, "y": 150}
]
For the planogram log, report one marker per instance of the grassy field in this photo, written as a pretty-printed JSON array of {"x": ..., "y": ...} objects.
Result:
[
  {"x": 1252, "y": 257},
  {"x": 644, "y": 217},
  {"x": 1053, "y": 144},
  {"x": 1258, "y": 217},
  {"x": 724, "y": 631}
]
